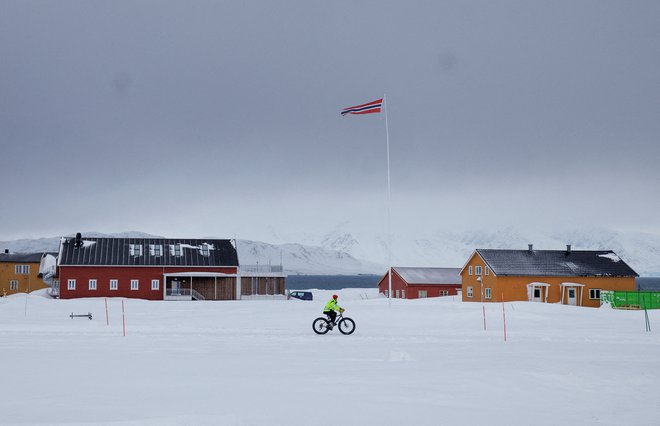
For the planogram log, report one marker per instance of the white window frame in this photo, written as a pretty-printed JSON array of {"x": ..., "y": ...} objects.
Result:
[
  {"x": 488, "y": 293},
  {"x": 22, "y": 269},
  {"x": 205, "y": 250},
  {"x": 71, "y": 284},
  {"x": 13, "y": 284},
  {"x": 156, "y": 250},
  {"x": 593, "y": 291},
  {"x": 92, "y": 284},
  {"x": 469, "y": 291},
  {"x": 176, "y": 250},
  {"x": 397, "y": 294},
  {"x": 135, "y": 249},
  {"x": 477, "y": 270},
  {"x": 403, "y": 294},
  {"x": 135, "y": 284},
  {"x": 155, "y": 284},
  {"x": 387, "y": 293},
  {"x": 443, "y": 293},
  {"x": 487, "y": 270},
  {"x": 116, "y": 284},
  {"x": 422, "y": 294},
  {"x": 470, "y": 270}
]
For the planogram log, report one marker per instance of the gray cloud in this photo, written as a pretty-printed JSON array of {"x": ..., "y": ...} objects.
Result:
[{"x": 214, "y": 118}]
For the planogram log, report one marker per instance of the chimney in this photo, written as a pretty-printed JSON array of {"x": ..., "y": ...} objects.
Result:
[
  {"x": 78, "y": 241},
  {"x": 530, "y": 248},
  {"x": 568, "y": 249},
  {"x": 6, "y": 251}
]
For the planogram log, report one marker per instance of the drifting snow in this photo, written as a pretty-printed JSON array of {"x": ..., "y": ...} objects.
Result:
[{"x": 421, "y": 362}]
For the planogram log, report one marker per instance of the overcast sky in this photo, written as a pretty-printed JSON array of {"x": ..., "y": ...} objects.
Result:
[{"x": 222, "y": 118}]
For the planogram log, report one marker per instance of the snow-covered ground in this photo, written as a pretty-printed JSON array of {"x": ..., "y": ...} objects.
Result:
[{"x": 420, "y": 362}]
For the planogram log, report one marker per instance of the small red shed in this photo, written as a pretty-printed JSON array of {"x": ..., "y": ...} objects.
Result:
[{"x": 416, "y": 283}]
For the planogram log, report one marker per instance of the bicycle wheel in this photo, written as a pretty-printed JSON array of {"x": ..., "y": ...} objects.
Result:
[
  {"x": 346, "y": 326},
  {"x": 320, "y": 326}
]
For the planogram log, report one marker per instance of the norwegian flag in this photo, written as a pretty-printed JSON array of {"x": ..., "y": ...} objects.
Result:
[{"x": 368, "y": 108}]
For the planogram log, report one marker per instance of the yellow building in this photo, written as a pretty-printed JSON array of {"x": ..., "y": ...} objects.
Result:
[
  {"x": 19, "y": 273},
  {"x": 571, "y": 277}
]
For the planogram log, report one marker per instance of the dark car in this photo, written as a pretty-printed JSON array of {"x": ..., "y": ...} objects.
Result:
[{"x": 302, "y": 295}]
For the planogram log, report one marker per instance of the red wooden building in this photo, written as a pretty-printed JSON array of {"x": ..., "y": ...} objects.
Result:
[
  {"x": 415, "y": 283},
  {"x": 148, "y": 268}
]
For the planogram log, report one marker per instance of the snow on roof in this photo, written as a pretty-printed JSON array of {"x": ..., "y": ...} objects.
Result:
[
  {"x": 612, "y": 256},
  {"x": 429, "y": 275}
]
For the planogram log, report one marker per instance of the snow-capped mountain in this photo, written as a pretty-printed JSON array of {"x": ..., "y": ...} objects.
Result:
[{"x": 344, "y": 251}]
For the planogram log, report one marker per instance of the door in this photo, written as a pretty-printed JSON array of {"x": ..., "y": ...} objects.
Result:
[
  {"x": 176, "y": 288},
  {"x": 572, "y": 296},
  {"x": 538, "y": 294}
]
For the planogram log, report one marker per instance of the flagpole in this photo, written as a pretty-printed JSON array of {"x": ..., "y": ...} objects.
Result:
[{"x": 389, "y": 209}]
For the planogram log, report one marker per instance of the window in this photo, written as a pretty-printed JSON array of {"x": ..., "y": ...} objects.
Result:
[
  {"x": 13, "y": 285},
  {"x": 155, "y": 284},
  {"x": 135, "y": 249},
  {"x": 398, "y": 293},
  {"x": 403, "y": 294},
  {"x": 487, "y": 270},
  {"x": 488, "y": 295},
  {"x": 71, "y": 284},
  {"x": 22, "y": 269},
  {"x": 92, "y": 284},
  {"x": 469, "y": 291},
  {"x": 175, "y": 250},
  {"x": 204, "y": 249},
  {"x": 421, "y": 294},
  {"x": 594, "y": 293},
  {"x": 444, "y": 293},
  {"x": 477, "y": 270},
  {"x": 470, "y": 270},
  {"x": 156, "y": 250},
  {"x": 114, "y": 284},
  {"x": 387, "y": 294},
  {"x": 135, "y": 284}
]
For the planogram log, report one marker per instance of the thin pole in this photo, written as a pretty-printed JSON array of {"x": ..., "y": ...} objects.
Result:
[
  {"x": 123, "y": 320},
  {"x": 504, "y": 317},
  {"x": 107, "y": 321},
  {"x": 389, "y": 209}
]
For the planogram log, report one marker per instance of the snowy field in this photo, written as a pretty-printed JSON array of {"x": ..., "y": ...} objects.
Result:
[{"x": 420, "y": 362}]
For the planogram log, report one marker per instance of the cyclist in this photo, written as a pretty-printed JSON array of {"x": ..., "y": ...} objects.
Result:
[{"x": 331, "y": 309}]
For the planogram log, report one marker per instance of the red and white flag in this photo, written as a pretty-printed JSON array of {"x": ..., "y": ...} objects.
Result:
[{"x": 368, "y": 108}]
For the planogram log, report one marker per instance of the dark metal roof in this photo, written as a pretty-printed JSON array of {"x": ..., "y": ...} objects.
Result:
[
  {"x": 21, "y": 257},
  {"x": 115, "y": 252},
  {"x": 429, "y": 275},
  {"x": 556, "y": 263}
]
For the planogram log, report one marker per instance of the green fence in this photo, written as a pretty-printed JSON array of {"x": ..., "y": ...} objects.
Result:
[{"x": 631, "y": 299}]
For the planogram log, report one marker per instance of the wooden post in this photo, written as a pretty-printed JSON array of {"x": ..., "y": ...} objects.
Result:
[
  {"x": 123, "y": 320},
  {"x": 504, "y": 317},
  {"x": 107, "y": 322}
]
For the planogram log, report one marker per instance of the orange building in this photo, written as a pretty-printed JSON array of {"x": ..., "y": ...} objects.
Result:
[
  {"x": 19, "y": 272},
  {"x": 571, "y": 277}
]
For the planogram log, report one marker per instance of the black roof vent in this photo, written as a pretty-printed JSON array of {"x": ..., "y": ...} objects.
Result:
[
  {"x": 78, "y": 241},
  {"x": 568, "y": 249},
  {"x": 530, "y": 248}
]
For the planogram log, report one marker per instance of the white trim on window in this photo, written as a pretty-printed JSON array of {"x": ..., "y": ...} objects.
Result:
[
  {"x": 403, "y": 294},
  {"x": 13, "y": 284},
  {"x": 488, "y": 293},
  {"x": 156, "y": 250},
  {"x": 92, "y": 284},
  {"x": 469, "y": 291},
  {"x": 135, "y": 249},
  {"x": 421, "y": 294},
  {"x": 397, "y": 294},
  {"x": 470, "y": 270},
  {"x": 594, "y": 293},
  {"x": 135, "y": 284},
  {"x": 176, "y": 250},
  {"x": 477, "y": 270},
  {"x": 155, "y": 284},
  {"x": 71, "y": 284},
  {"x": 22, "y": 269},
  {"x": 114, "y": 284},
  {"x": 205, "y": 249},
  {"x": 487, "y": 270},
  {"x": 443, "y": 293}
]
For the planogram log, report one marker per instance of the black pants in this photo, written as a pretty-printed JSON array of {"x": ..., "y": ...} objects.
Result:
[{"x": 331, "y": 314}]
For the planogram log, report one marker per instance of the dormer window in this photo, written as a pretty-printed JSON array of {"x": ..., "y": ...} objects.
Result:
[
  {"x": 156, "y": 250},
  {"x": 204, "y": 249},
  {"x": 135, "y": 249},
  {"x": 175, "y": 250}
]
